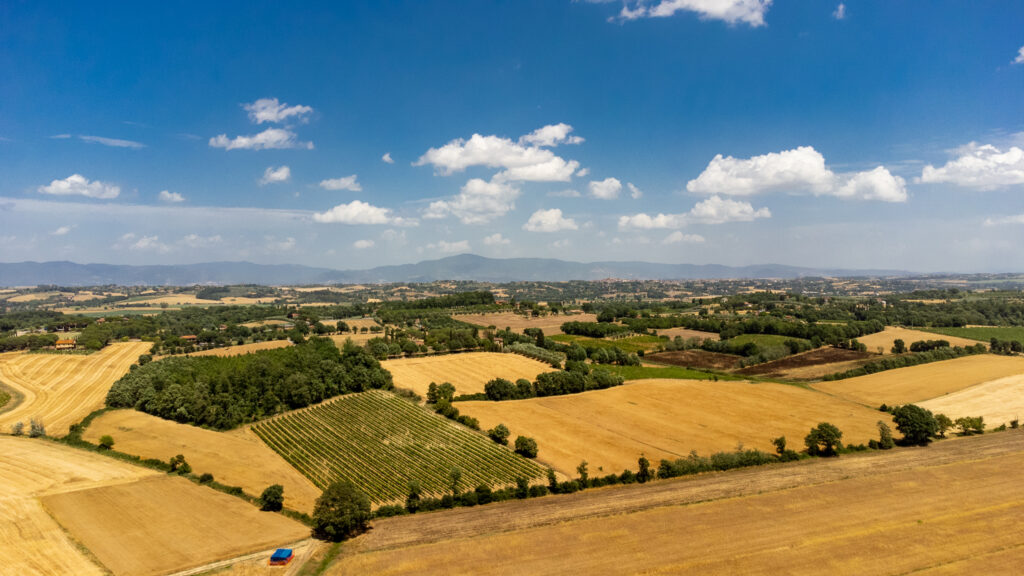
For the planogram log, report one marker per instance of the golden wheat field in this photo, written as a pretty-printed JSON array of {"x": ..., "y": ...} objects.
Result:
[
  {"x": 177, "y": 300},
  {"x": 948, "y": 509},
  {"x": 243, "y": 348},
  {"x": 883, "y": 341},
  {"x": 236, "y": 458},
  {"x": 31, "y": 542},
  {"x": 467, "y": 372},
  {"x": 667, "y": 419},
  {"x": 61, "y": 389},
  {"x": 999, "y": 401},
  {"x": 923, "y": 382},
  {"x": 551, "y": 324},
  {"x": 162, "y": 524}
]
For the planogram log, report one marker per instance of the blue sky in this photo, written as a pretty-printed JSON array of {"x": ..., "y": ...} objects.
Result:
[{"x": 881, "y": 134}]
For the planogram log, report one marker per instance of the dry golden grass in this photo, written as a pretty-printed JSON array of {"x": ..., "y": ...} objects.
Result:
[
  {"x": 61, "y": 389},
  {"x": 33, "y": 296},
  {"x": 467, "y": 372},
  {"x": 686, "y": 334},
  {"x": 551, "y": 324},
  {"x": 245, "y": 300},
  {"x": 999, "y": 401},
  {"x": 358, "y": 339},
  {"x": 178, "y": 300},
  {"x": 923, "y": 512},
  {"x": 919, "y": 383},
  {"x": 166, "y": 523},
  {"x": 667, "y": 419},
  {"x": 236, "y": 458},
  {"x": 243, "y": 348},
  {"x": 885, "y": 339},
  {"x": 30, "y": 541}
]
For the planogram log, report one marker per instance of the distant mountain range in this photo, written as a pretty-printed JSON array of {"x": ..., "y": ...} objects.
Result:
[{"x": 462, "y": 267}]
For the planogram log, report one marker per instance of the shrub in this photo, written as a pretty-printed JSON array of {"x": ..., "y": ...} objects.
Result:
[
  {"x": 526, "y": 446},
  {"x": 643, "y": 473},
  {"x": 272, "y": 499},
  {"x": 18, "y": 428},
  {"x": 389, "y": 511},
  {"x": 522, "y": 488},
  {"x": 205, "y": 478},
  {"x": 341, "y": 512},
  {"x": 969, "y": 425},
  {"x": 885, "y": 441},
  {"x": 538, "y": 491},
  {"x": 106, "y": 442},
  {"x": 499, "y": 434},
  {"x": 36, "y": 429},
  {"x": 179, "y": 465},
  {"x": 943, "y": 423},
  {"x": 412, "y": 500}
]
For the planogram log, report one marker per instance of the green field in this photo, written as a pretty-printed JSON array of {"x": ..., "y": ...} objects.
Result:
[
  {"x": 762, "y": 340},
  {"x": 380, "y": 442},
  {"x": 631, "y": 344},
  {"x": 672, "y": 372},
  {"x": 982, "y": 334}
]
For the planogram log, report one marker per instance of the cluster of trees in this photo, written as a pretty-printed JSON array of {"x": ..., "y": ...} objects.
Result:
[
  {"x": 998, "y": 346},
  {"x": 935, "y": 355},
  {"x": 594, "y": 329},
  {"x": 927, "y": 345},
  {"x": 578, "y": 378},
  {"x": 223, "y": 392},
  {"x": 27, "y": 342}
]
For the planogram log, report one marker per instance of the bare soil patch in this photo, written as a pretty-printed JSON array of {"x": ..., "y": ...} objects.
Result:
[
  {"x": 696, "y": 359},
  {"x": 817, "y": 357}
]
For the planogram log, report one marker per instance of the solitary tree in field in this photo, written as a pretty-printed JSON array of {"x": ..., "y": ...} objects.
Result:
[
  {"x": 341, "y": 512},
  {"x": 17, "y": 428},
  {"x": 106, "y": 441},
  {"x": 432, "y": 393},
  {"x": 526, "y": 446},
  {"x": 499, "y": 434},
  {"x": 823, "y": 440},
  {"x": 885, "y": 441},
  {"x": 584, "y": 474},
  {"x": 780, "y": 445},
  {"x": 899, "y": 346},
  {"x": 917, "y": 425},
  {"x": 272, "y": 499}
]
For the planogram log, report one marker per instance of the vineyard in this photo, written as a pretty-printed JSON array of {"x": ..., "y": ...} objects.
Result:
[{"x": 380, "y": 442}]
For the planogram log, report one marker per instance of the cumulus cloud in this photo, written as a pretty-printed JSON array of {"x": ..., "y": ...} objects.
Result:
[
  {"x": 840, "y": 12},
  {"x": 714, "y": 210},
  {"x": 449, "y": 247},
  {"x": 607, "y": 189},
  {"x": 357, "y": 212},
  {"x": 394, "y": 236},
  {"x": 562, "y": 243},
  {"x": 269, "y": 139},
  {"x": 345, "y": 183},
  {"x": 549, "y": 221},
  {"x": 1000, "y": 220},
  {"x": 521, "y": 161},
  {"x": 131, "y": 241},
  {"x": 583, "y": 172},
  {"x": 78, "y": 185},
  {"x": 61, "y": 231},
  {"x": 551, "y": 135},
  {"x": 273, "y": 175},
  {"x": 731, "y": 11},
  {"x": 496, "y": 239},
  {"x": 634, "y": 192},
  {"x": 678, "y": 237},
  {"x": 386, "y": 158},
  {"x": 114, "y": 142},
  {"x": 362, "y": 244},
  {"x": 170, "y": 197},
  {"x": 982, "y": 167},
  {"x": 272, "y": 244},
  {"x": 271, "y": 110},
  {"x": 797, "y": 170},
  {"x": 479, "y": 202},
  {"x": 197, "y": 241},
  {"x": 1020, "y": 56},
  {"x": 569, "y": 193}
]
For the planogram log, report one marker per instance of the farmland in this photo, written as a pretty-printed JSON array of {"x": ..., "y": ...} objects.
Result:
[
  {"x": 667, "y": 419},
  {"x": 235, "y": 459},
  {"x": 951, "y": 508},
  {"x": 821, "y": 360},
  {"x": 243, "y": 348},
  {"x": 467, "y": 372},
  {"x": 61, "y": 389},
  {"x": 696, "y": 358},
  {"x": 998, "y": 401},
  {"x": 918, "y": 383},
  {"x": 883, "y": 341},
  {"x": 686, "y": 334},
  {"x": 631, "y": 344},
  {"x": 550, "y": 324},
  {"x": 381, "y": 442},
  {"x": 981, "y": 333},
  {"x": 164, "y": 523}
]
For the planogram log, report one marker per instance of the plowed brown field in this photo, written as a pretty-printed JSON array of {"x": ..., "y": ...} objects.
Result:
[{"x": 467, "y": 372}]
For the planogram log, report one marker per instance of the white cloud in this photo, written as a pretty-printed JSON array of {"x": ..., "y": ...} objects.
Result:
[
  {"x": 714, "y": 210},
  {"x": 551, "y": 135},
  {"x": 131, "y": 241},
  {"x": 569, "y": 193},
  {"x": 62, "y": 231},
  {"x": 732, "y": 11},
  {"x": 607, "y": 189},
  {"x": 1020, "y": 56},
  {"x": 478, "y": 202},
  {"x": 271, "y": 138},
  {"x": 1015, "y": 219},
  {"x": 170, "y": 197},
  {"x": 983, "y": 167},
  {"x": 394, "y": 236},
  {"x": 357, "y": 212},
  {"x": 386, "y": 158},
  {"x": 634, "y": 192},
  {"x": 840, "y": 12},
  {"x": 519, "y": 162},
  {"x": 114, "y": 142},
  {"x": 273, "y": 175},
  {"x": 559, "y": 244},
  {"x": 275, "y": 245},
  {"x": 270, "y": 110},
  {"x": 197, "y": 241},
  {"x": 797, "y": 170},
  {"x": 583, "y": 172},
  {"x": 678, "y": 237},
  {"x": 496, "y": 239},
  {"x": 362, "y": 244},
  {"x": 450, "y": 247},
  {"x": 78, "y": 185},
  {"x": 60, "y": 136},
  {"x": 344, "y": 183},
  {"x": 549, "y": 221}
]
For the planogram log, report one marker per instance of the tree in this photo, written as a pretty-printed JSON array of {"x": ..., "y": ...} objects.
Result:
[
  {"x": 499, "y": 434},
  {"x": 885, "y": 441},
  {"x": 899, "y": 346},
  {"x": 526, "y": 447},
  {"x": 500, "y": 389},
  {"x": 970, "y": 425},
  {"x": 432, "y": 393},
  {"x": 780, "y": 445},
  {"x": 522, "y": 488},
  {"x": 412, "y": 501},
  {"x": 552, "y": 481},
  {"x": 18, "y": 428},
  {"x": 36, "y": 428},
  {"x": 644, "y": 470},
  {"x": 823, "y": 440},
  {"x": 341, "y": 512},
  {"x": 145, "y": 359},
  {"x": 272, "y": 499},
  {"x": 106, "y": 441},
  {"x": 917, "y": 425},
  {"x": 454, "y": 476},
  {"x": 445, "y": 392},
  {"x": 179, "y": 465},
  {"x": 584, "y": 475}
]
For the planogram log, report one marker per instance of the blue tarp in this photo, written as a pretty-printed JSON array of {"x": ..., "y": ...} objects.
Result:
[{"x": 282, "y": 554}]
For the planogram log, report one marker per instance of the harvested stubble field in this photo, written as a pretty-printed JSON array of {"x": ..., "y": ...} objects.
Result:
[
  {"x": 30, "y": 541},
  {"x": 667, "y": 419},
  {"x": 165, "y": 523},
  {"x": 243, "y": 348},
  {"x": 175, "y": 300},
  {"x": 551, "y": 324},
  {"x": 884, "y": 340},
  {"x": 951, "y": 508},
  {"x": 61, "y": 389},
  {"x": 380, "y": 442},
  {"x": 686, "y": 334},
  {"x": 467, "y": 372},
  {"x": 819, "y": 360},
  {"x": 234, "y": 458},
  {"x": 695, "y": 359},
  {"x": 925, "y": 381},
  {"x": 1000, "y": 401}
]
